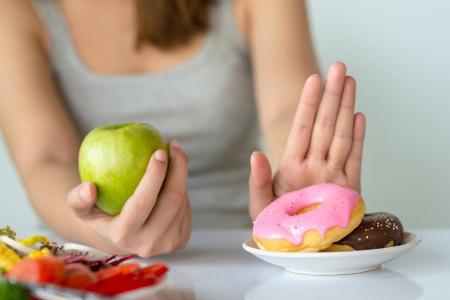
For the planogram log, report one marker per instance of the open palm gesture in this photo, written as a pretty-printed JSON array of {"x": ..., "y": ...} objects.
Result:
[{"x": 324, "y": 145}]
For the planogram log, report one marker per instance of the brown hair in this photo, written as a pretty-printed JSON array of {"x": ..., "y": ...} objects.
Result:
[{"x": 170, "y": 23}]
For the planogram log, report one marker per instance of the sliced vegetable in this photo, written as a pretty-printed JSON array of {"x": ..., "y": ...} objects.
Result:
[
  {"x": 127, "y": 277},
  {"x": 16, "y": 245},
  {"x": 34, "y": 239},
  {"x": 156, "y": 269},
  {"x": 40, "y": 253},
  {"x": 117, "y": 271},
  {"x": 114, "y": 261},
  {"x": 98, "y": 264},
  {"x": 47, "y": 269},
  {"x": 78, "y": 276},
  {"x": 8, "y": 258},
  {"x": 122, "y": 283},
  {"x": 8, "y": 232},
  {"x": 13, "y": 291}
]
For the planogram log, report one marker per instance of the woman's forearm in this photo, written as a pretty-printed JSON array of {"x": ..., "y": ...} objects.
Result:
[
  {"x": 48, "y": 184},
  {"x": 283, "y": 58}
]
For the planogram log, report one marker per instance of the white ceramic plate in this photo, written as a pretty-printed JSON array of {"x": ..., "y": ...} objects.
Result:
[
  {"x": 333, "y": 263},
  {"x": 90, "y": 252}
]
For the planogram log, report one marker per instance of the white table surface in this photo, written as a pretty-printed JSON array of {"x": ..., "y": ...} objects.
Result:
[{"x": 214, "y": 266}]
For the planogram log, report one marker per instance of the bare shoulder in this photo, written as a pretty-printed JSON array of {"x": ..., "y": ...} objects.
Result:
[{"x": 18, "y": 19}]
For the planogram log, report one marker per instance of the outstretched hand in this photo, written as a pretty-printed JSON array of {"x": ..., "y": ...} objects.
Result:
[{"x": 325, "y": 143}]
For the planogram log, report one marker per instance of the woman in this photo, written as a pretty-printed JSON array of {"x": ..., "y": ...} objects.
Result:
[{"x": 189, "y": 68}]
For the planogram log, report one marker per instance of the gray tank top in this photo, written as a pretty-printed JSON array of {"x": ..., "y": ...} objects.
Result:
[{"x": 207, "y": 103}]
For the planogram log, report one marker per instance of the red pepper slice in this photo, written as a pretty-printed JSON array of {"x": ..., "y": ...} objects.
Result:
[
  {"x": 117, "y": 271},
  {"x": 78, "y": 276},
  {"x": 49, "y": 269},
  {"x": 121, "y": 283},
  {"x": 157, "y": 269},
  {"x": 115, "y": 282}
]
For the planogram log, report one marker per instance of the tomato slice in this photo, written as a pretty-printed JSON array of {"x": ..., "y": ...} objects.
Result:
[
  {"x": 122, "y": 283},
  {"x": 48, "y": 269},
  {"x": 156, "y": 269},
  {"x": 78, "y": 276},
  {"x": 116, "y": 280},
  {"x": 117, "y": 271}
]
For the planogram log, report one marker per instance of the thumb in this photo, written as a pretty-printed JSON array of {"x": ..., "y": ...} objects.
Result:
[
  {"x": 82, "y": 198},
  {"x": 260, "y": 184}
]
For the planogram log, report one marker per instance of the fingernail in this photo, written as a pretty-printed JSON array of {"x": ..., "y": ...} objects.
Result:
[
  {"x": 85, "y": 194},
  {"x": 160, "y": 155},
  {"x": 176, "y": 144}
]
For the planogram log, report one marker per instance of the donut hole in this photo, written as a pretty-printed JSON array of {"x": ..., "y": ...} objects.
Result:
[{"x": 307, "y": 209}]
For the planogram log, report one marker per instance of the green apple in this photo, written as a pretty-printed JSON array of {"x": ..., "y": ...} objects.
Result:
[{"x": 115, "y": 158}]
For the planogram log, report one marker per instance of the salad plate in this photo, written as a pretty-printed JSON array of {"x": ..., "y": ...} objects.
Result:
[{"x": 36, "y": 266}]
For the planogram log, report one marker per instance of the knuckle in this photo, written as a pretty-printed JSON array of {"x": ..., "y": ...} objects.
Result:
[
  {"x": 346, "y": 106},
  {"x": 355, "y": 157},
  {"x": 147, "y": 251},
  {"x": 140, "y": 201},
  {"x": 303, "y": 128},
  {"x": 177, "y": 195},
  {"x": 324, "y": 122},
  {"x": 343, "y": 134},
  {"x": 153, "y": 170},
  {"x": 332, "y": 93},
  {"x": 72, "y": 197},
  {"x": 184, "y": 241},
  {"x": 286, "y": 163},
  {"x": 308, "y": 104},
  {"x": 334, "y": 165},
  {"x": 183, "y": 158},
  {"x": 120, "y": 239},
  {"x": 359, "y": 140},
  {"x": 316, "y": 154},
  {"x": 169, "y": 246}
]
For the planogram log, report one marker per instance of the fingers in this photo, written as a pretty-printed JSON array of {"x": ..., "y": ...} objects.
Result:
[
  {"x": 163, "y": 227},
  {"x": 149, "y": 223},
  {"x": 302, "y": 125},
  {"x": 343, "y": 133},
  {"x": 174, "y": 192},
  {"x": 178, "y": 169},
  {"x": 82, "y": 199},
  {"x": 137, "y": 209},
  {"x": 260, "y": 184},
  {"x": 354, "y": 161},
  {"x": 325, "y": 121}
]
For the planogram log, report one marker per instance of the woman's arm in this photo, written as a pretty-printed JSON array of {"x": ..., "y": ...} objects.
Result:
[
  {"x": 44, "y": 146},
  {"x": 282, "y": 57},
  {"x": 42, "y": 141},
  {"x": 315, "y": 139}
]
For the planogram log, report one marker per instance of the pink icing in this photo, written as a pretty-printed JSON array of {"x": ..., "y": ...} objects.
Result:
[{"x": 280, "y": 221}]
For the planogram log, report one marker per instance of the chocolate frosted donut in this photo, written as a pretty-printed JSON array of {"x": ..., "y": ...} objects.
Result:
[{"x": 377, "y": 230}]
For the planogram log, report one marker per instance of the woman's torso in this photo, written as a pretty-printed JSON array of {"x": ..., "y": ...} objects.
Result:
[{"x": 206, "y": 101}]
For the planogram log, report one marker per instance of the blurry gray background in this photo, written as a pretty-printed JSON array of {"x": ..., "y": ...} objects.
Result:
[{"x": 399, "y": 52}]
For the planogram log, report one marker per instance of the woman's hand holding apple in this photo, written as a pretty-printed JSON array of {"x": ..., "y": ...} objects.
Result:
[
  {"x": 324, "y": 145},
  {"x": 156, "y": 219}
]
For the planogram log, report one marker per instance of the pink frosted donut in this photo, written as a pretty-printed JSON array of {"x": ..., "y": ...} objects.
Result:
[{"x": 308, "y": 220}]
